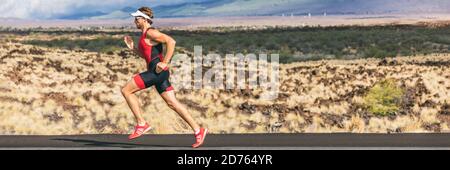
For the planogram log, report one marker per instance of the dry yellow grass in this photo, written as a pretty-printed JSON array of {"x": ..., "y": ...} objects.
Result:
[{"x": 67, "y": 92}]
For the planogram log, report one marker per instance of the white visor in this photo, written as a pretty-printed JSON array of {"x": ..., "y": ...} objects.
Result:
[{"x": 140, "y": 14}]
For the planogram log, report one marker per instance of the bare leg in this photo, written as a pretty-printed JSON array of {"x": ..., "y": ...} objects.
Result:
[
  {"x": 128, "y": 92},
  {"x": 175, "y": 105}
]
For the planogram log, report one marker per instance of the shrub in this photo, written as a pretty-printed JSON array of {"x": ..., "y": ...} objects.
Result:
[{"x": 384, "y": 98}]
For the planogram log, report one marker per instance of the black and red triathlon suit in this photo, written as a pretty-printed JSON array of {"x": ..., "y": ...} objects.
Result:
[{"x": 153, "y": 55}]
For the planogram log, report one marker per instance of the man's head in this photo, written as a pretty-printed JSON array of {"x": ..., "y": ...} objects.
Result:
[{"x": 143, "y": 16}]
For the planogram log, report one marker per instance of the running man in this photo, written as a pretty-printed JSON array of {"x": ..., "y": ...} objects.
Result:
[{"x": 151, "y": 49}]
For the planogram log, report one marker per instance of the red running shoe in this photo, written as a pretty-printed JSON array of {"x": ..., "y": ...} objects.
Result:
[
  {"x": 200, "y": 138},
  {"x": 139, "y": 131}
]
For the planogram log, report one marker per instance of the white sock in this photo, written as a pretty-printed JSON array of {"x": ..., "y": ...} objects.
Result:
[{"x": 197, "y": 131}]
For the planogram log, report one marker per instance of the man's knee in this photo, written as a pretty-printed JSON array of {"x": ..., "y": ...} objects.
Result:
[{"x": 125, "y": 91}]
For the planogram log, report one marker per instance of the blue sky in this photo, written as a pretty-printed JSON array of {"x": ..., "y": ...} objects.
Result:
[{"x": 53, "y": 9}]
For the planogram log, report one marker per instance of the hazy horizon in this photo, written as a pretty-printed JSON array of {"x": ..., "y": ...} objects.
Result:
[{"x": 232, "y": 21}]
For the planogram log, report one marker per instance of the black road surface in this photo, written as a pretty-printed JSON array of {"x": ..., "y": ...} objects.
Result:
[{"x": 233, "y": 141}]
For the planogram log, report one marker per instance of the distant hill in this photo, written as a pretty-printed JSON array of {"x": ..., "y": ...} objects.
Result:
[{"x": 277, "y": 7}]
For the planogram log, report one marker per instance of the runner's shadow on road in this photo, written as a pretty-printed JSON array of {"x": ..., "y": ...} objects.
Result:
[{"x": 95, "y": 143}]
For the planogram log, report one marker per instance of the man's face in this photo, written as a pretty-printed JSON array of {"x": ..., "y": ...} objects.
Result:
[{"x": 139, "y": 21}]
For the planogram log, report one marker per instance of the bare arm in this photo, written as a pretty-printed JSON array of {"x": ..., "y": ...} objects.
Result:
[{"x": 164, "y": 39}]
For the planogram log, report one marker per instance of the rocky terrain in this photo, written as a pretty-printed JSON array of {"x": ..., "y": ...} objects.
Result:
[{"x": 50, "y": 91}]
